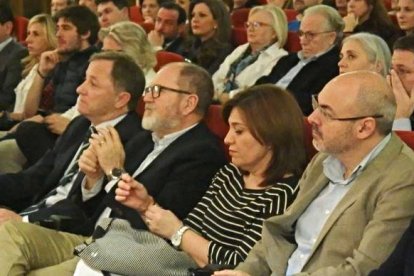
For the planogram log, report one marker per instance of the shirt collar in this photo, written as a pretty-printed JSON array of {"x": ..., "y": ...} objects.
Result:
[
  {"x": 112, "y": 122},
  {"x": 312, "y": 58},
  {"x": 169, "y": 138},
  {"x": 334, "y": 170}
]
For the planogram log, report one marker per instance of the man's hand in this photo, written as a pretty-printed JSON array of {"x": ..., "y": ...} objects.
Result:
[
  {"x": 6, "y": 215},
  {"x": 162, "y": 222},
  {"x": 133, "y": 194},
  {"x": 48, "y": 61},
  {"x": 109, "y": 149},
  {"x": 403, "y": 98},
  {"x": 156, "y": 38},
  {"x": 56, "y": 123},
  {"x": 88, "y": 164}
]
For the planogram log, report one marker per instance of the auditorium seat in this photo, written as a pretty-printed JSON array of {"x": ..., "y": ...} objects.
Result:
[
  {"x": 165, "y": 57},
  {"x": 239, "y": 17},
  {"x": 20, "y": 28}
]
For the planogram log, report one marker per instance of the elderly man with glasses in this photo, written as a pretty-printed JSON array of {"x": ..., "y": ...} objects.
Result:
[
  {"x": 356, "y": 196},
  {"x": 306, "y": 72},
  {"x": 170, "y": 165}
]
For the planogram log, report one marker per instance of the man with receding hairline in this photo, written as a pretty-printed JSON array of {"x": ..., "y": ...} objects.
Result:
[
  {"x": 171, "y": 166},
  {"x": 356, "y": 196}
]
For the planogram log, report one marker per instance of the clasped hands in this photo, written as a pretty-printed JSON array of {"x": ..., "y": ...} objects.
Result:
[{"x": 104, "y": 153}]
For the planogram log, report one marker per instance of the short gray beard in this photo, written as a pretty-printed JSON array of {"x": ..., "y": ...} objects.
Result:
[{"x": 155, "y": 124}]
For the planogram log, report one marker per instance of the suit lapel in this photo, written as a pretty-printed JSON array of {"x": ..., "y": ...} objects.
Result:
[{"x": 367, "y": 178}]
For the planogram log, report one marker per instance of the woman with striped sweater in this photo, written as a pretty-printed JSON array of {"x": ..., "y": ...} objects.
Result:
[{"x": 266, "y": 146}]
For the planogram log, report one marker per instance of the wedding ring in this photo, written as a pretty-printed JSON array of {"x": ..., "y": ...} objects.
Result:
[{"x": 147, "y": 221}]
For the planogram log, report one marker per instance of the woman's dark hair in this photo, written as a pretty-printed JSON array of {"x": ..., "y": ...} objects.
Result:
[
  {"x": 379, "y": 15},
  {"x": 211, "y": 49},
  {"x": 275, "y": 120},
  {"x": 220, "y": 14}
]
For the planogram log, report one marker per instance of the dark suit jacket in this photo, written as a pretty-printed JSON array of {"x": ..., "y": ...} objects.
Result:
[
  {"x": 21, "y": 189},
  {"x": 177, "y": 178},
  {"x": 310, "y": 80},
  {"x": 10, "y": 72},
  {"x": 175, "y": 46},
  {"x": 401, "y": 260}
]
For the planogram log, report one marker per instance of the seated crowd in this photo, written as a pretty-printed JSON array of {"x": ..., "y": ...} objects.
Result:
[{"x": 155, "y": 140}]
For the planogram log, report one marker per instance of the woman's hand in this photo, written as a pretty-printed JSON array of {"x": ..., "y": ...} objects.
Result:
[
  {"x": 162, "y": 222},
  {"x": 351, "y": 21}
]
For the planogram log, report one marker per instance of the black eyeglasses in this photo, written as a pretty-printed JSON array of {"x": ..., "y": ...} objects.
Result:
[
  {"x": 324, "y": 113},
  {"x": 311, "y": 35},
  {"x": 156, "y": 89}
]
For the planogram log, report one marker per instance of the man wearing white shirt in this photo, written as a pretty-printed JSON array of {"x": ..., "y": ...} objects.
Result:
[
  {"x": 172, "y": 167},
  {"x": 102, "y": 103},
  {"x": 356, "y": 197}
]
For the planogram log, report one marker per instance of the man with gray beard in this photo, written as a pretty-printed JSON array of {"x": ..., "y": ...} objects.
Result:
[{"x": 171, "y": 165}]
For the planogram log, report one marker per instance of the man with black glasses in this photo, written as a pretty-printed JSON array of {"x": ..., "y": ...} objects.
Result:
[
  {"x": 172, "y": 166},
  {"x": 356, "y": 196}
]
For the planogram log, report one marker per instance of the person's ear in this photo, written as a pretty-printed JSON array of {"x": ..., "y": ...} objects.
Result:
[
  {"x": 86, "y": 36},
  {"x": 122, "y": 99},
  {"x": 366, "y": 128},
  {"x": 190, "y": 104}
]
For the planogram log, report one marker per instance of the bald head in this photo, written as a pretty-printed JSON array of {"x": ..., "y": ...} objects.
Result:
[{"x": 366, "y": 93}]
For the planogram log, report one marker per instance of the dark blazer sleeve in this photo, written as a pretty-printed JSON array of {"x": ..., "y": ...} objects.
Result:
[
  {"x": 179, "y": 177},
  {"x": 73, "y": 207},
  {"x": 401, "y": 260},
  {"x": 10, "y": 73},
  {"x": 18, "y": 190},
  {"x": 310, "y": 79}
]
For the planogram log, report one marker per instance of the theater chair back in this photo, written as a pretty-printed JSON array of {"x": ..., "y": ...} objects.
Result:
[
  {"x": 407, "y": 137},
  {"x": 216, "y": 124}
]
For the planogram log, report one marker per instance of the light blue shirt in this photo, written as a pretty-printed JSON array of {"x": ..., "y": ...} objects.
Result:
[
  {"x": 287, "y": 79},
  {"x": 311, "y": 222}
]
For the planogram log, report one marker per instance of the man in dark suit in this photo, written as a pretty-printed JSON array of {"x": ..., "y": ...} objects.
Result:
[
  {"x": 172, "y": 167},
  {"x": 103, "y": 103},
  {"x": 11, "y": 54},
  {"x": 169, "y": 28},
  {"x": 305, "y": 73}
]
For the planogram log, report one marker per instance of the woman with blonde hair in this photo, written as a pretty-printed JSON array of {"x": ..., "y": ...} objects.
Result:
[
  {"x": 266, "y": 36},
  {"x": 130, "y": 38},
  {"x": 41, "y": 37}
]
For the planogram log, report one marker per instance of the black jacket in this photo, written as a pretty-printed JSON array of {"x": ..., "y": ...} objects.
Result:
[{"x": 310, "y": 80}]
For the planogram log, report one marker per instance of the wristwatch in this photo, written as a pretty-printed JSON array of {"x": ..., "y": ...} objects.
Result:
[
  {"x": 178, "y": 236},
  {"x": 115, "y": 174}
]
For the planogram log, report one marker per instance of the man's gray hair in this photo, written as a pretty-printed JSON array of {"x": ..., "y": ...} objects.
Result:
[{"x": 334, "y": 21}]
